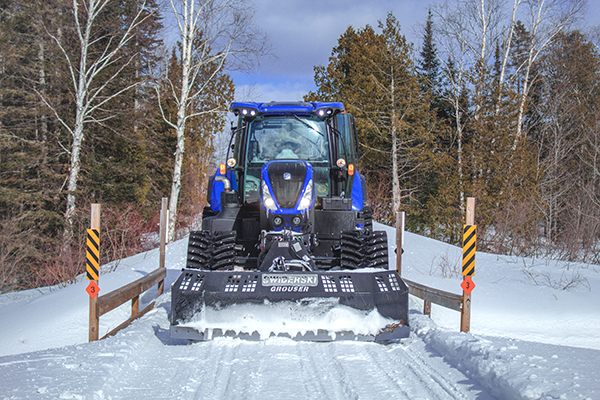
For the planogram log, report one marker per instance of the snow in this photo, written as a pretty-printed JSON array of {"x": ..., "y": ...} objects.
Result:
[
  {"x": 291, "y": 318},
  {"x": 535, "y": 328}
]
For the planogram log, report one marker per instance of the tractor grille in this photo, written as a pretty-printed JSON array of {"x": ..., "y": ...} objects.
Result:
[{"x": 287, "y": 189}]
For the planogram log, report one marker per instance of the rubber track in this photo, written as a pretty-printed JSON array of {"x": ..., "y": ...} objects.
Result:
[
  {"x": 211, "y": 251},
  {"x": 363, "y": 251}
]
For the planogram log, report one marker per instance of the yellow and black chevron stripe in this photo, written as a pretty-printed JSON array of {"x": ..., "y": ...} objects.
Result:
[
  {"x": 469, "y": 241},
  {"x": 93, "y": 254}
]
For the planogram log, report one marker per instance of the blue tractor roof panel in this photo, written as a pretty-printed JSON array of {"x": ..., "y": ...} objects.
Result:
[{"x": 251, "y": 110}]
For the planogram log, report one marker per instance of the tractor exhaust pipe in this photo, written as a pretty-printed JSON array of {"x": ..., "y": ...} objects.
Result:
[{"x": 225, "y": 181}]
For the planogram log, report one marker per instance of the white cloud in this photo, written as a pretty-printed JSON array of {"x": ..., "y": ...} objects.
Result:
[
  {"x": 274, "y": 91},
  {"x": 304, "y": 33}
]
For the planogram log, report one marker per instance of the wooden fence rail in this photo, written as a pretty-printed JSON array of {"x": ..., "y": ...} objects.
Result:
[
  {"x": 132, "y": 291},
  {"x": 436, "y": 296}
]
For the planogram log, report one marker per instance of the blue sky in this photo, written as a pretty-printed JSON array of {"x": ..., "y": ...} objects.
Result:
[{"x": 302, "y": 34}]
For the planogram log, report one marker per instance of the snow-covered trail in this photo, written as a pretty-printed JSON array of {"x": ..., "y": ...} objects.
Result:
[
  {"x": 520, "y": 346},
  {"x": 144, "y": 362}
]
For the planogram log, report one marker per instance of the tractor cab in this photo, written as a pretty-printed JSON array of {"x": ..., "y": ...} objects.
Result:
[{"x": 317, "y": 140}]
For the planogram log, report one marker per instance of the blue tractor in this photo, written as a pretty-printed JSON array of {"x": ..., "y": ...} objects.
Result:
[{"x": 288, "y": 221}]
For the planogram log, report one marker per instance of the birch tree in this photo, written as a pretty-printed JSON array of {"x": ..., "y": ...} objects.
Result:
[
  {"x": 98, "y": 51},
  {"x": 217, "y": 32},
  {"x": 467, "y": 31},
  {"x": 472, "y": 34},
  {"x": 545, "y": 20}
]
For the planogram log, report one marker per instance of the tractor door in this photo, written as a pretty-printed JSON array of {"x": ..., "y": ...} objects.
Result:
[{"x": 348, "y": 149}]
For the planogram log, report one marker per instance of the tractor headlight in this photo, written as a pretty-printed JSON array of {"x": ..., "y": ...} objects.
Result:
[
  {"x": 268, "y": 201},
  {"x": 306, "y": 200}
]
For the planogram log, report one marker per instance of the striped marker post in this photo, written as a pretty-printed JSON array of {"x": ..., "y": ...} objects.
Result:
[
  {"x": 469, "y": 247},
  {"x": 469, "y": 240},
  {"x": 92, "y": 266},
  {"x": 93, "y": 271}
]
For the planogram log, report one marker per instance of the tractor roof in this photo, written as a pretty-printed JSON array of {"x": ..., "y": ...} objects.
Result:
[{"x": 320, "y": 109}]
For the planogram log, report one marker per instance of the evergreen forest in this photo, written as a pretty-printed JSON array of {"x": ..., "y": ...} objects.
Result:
[{"x": 487, "y": 107}]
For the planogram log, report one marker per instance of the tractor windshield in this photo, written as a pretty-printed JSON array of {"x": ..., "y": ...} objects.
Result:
[{"x": 286, "y": 138}]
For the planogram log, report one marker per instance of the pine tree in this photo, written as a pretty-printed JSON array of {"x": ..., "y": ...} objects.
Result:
[
  {"x": 429, "y": 65},
  {"x": 372, "y": 73},
  {"x": 31, "y": 169}
]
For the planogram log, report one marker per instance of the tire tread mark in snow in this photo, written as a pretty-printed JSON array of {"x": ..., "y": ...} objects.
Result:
[
  {"x": 255, "y": 371},
  {"x": 358, "y": 368},
  {"x": 422, "y": 369},
  {"x": 125, "y": 365},
  {"x": 218, "y": 379},
  {"x": 337, "y": 372},
  {"x": 391, "y": 372},
  {"x": 319, "y": 373}
]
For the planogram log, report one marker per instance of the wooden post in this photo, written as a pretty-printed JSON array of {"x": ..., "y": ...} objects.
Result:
[
  {"x": 427, "y": 307},
  {"x": 399, "y": 240},
  {"x": 163, "y": 239},
  {"x": 94, "y": 312},
  {"x": 135, "y": 306},
  {"x": 465, "y": 314}
]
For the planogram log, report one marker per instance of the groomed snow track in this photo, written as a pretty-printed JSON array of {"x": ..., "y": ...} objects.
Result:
[{"x": 144, "y": 362}]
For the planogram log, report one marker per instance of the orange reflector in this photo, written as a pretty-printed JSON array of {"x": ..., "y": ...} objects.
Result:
[
  {"x": 222, "y": 169},
  {"x": 350, "y": 169}
]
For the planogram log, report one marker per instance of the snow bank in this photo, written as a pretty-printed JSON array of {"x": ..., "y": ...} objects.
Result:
[{"x": 514, "y": 369}]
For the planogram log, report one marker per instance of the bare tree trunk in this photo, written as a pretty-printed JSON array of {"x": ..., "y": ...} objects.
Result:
[
  {"x": 77, "y": 132},
  {"x": 87, "y": 89},
  {"x": 395, "y": 165},
  {"x": 396, "y": 195},
  {"x": 42, "y": 83},
  {"x": 210, "y": 31},
  {"x": 507, "y": 45},
  {"x": 459, "y": 151},
  {"x": 72, "y": 181},
  {"x": 179, "y": 153}
]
